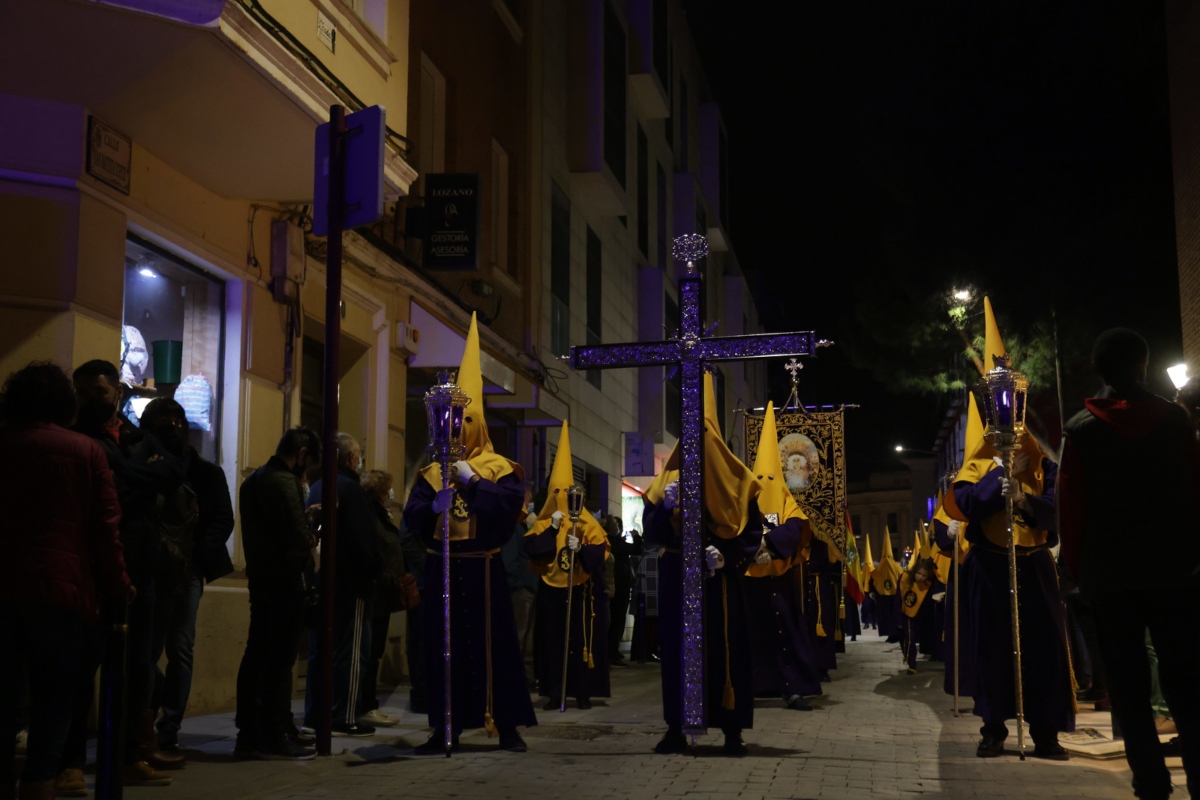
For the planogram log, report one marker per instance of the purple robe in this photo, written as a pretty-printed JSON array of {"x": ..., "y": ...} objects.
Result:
[
  {"x": 887, "y": 606},
  {"x": 783, "y": 655},
  {"x": 1045, "y": 664},
  {"x": 589, "y": 625},
  {"x": 820, "y": 602},
  {"x": 966, "y": 651},
  {"x": 495, "y": 507},
  {"x": 724, "y": 610}
]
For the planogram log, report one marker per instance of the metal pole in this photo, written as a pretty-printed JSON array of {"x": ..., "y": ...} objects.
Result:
[
  {"x": 447, "y": 695},
  {"x": 562, "y": 700},
  {"x": 954, "y": 543},
  {"x": 1007, "y": 453},
  {"x": 1062, "y": 408},
  {"x": 329, "y": 465},
  {"x": 110, "y": 739}
]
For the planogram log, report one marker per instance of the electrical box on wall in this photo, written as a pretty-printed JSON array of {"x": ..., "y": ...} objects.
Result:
[
  {"x": 287, "y": 260},
  {"x": 408, "y": 338}
]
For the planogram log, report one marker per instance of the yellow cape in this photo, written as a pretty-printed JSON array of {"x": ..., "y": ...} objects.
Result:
[
  {"x": 775, "y": 497},
  {"x": 886, "y": 576}
]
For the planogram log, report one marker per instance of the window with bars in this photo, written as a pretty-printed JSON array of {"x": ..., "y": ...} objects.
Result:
[
  {"x": 594, "y": 277},
  {"x": 560, "y": 272}
]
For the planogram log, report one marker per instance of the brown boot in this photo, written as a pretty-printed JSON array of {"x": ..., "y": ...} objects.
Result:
[
  {"x": 71, "y": 783},
  {"x": 148, "y": 746},
  {"x": 139, "y": 773},
  {"x": 37, "y": 790}
]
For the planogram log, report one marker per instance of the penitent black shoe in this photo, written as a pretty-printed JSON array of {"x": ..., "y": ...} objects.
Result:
[
  {"x": 673, "y": 741},
  {"x": 797, "y": 703},
  {"x": 990, "y": 748},
  {"x": 1050, "y": 751},
  {"x": 734, "y": 744},
  {"x": 435, "y": 745},
  {"x": 512, "y": 742}
]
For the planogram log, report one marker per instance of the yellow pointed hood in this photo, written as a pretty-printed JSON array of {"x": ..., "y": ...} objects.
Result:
[
  {"x": 993, "y": 345},
  {"x": 477, "y": 444},
  {"x": 729, "y": 485},
  {"x": 589, "y": 531},
  {"x": 774, "y": 496},
  {"x": 868, "y": 563},
  {"x": 886, "y": 576}
]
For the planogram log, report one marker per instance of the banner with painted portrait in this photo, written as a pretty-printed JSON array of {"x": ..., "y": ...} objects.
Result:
[{"x": 812, "y": 447}]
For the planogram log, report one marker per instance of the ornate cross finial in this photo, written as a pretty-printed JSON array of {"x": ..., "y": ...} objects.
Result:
[
  {"x": 794, "y": 368},
  {"x": 690, "y": 247}
]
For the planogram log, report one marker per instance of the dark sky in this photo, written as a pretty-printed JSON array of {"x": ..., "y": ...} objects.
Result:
[{"x": 901, "y": 147}]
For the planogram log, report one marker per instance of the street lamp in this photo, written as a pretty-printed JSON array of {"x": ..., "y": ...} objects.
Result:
[
  {"x": 962, "y": 294},
  {"x": 1179, "y": 375},
  {"x": 902, "y": 449}
]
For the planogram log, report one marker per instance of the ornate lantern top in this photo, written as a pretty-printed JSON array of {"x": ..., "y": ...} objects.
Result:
[
  {"x": 575, "y": 496},
  {"x": 1004, "y": 393},
  {"x": 690, "y": 248},
  {"x": 444, "y": 405}
]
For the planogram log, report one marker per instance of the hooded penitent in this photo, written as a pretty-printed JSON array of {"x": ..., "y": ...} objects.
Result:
[
  {"x": 588, "y": 529},
  {"x": 774, "y": 497},
  {"x": 477, "y": 444},
  {"x": 868, "y": 564},
  {"x": 981, "y": 460},
  {"x": 886, "y": 576}
]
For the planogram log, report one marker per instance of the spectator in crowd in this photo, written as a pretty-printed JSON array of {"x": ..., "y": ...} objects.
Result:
[
  {"x": 145, "y": 473},
  {"x": 176, "y": 607},
  {"x": 522, "y": 584},
  {"x": 387, "y": 599},
  {"x": 278, "y": 548},
  {"x": 359, "y": 564},
  {"x": 1104, "y": 508},
  {"x": 414, "y": 559},
  {"x": 63, "y": 561},
  {"x": 623, "y": 552},
  {"x": 644, "y": 646}
]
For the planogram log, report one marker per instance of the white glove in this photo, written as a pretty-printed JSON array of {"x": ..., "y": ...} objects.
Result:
[
  {"x": 713, "y": 558},
  {"x": 573, "y": 543},
  {"x": 556, "y": 519},
  {"x": 1012, "y": 489},
  {"x": 671, "y": 495},
  {"x": 531, "y": 518},
  {"x": 939, "y": 597},
  {"x": 443, "y": 501},
  {"x": 955, "y": 528},
  {"x": 465, "y": 473},
  {"x": 763, "y": 556},
  {"x": 1020, "y": 462}
]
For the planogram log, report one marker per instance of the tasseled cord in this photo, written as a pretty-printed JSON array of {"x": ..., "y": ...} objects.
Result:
[
  {"x": 589, "y": 632},
  {"x": 817, "y": 592},
  {"x": 489, "y": 724},
  {"x": 728, "y": 700}
]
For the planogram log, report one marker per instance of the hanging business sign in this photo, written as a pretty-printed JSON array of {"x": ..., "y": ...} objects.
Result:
[
  {"x": 452, "y": 221},
  {"x": 109, "y": 155}
]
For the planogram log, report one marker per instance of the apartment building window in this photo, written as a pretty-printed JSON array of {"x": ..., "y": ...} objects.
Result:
[
  {"x": 614, "y": 93},
  {"x": 173, "y": 340},
  {"x": 499, "y": 217},
  {"x": 893, "y": 523},
  {"x": 683, "y": 125},
  {"x": 856, "y": 523},
  {"x": 372, "y": 12},
  {"x": 659, "y": 38},
  {"x": 643, "y": 193},
  {"x": 594, "y": 277},
  {"x": 431, "y": 144},
  {"x": 560, "y": 272},
  {"x": 660, "y": 222},
  {"x": 673, "y": 389}
]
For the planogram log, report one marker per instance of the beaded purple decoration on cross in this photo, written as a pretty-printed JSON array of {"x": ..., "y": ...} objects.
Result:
[{"x": 690, "y": 351}]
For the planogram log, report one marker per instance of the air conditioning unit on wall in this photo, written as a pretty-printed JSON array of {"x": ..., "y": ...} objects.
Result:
[{"x": 408, "y": 339}]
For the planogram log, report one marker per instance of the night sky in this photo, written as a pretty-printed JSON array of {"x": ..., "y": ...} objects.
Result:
[{"x": 883, "y": 152}]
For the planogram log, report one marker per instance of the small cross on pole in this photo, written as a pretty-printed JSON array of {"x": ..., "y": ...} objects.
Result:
[{"x": 691, "y": 351}]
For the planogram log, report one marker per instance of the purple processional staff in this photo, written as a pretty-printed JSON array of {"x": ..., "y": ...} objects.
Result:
[{"x": 690, "y": 351}]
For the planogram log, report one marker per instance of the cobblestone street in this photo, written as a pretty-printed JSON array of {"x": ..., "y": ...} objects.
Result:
[{"x": 875, "y": 734}]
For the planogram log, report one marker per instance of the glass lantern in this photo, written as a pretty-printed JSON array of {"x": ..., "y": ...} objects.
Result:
[
  {"x": 575, "y": 496},
  {"x": 445, "y": 403},
  {"x": 1004, "y": 394}
]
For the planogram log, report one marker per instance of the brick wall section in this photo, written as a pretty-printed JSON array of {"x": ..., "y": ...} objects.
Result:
[{"x": 1183, "y": 49}]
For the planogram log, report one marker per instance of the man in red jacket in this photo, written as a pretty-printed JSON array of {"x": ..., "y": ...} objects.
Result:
[
  {"x": 63, "y": 559},
  {"x": 1128, "y": 499}
]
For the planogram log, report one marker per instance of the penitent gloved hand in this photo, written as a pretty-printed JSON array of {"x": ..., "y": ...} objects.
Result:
[
  {"x": 671, "y": 495},
  {"x": 713, "y": 558},
  {"x": 465, "y": 473},
  {"x": 954, "y": 529},
  {"x": 763, "y": 556},
  {"x": 556, "y": 519},
  {"x": 573, "y": 543},
  {"x": 443, "y": 501}
]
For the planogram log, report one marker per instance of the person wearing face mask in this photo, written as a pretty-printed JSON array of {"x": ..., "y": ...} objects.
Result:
[
  {"x": 175, "y": 611},
  {"x": 359, "y": 565},
  {"x": 143, "y": 471},
  {"x": 487, "y": 683},
  {"x": 278, "y": 548}
]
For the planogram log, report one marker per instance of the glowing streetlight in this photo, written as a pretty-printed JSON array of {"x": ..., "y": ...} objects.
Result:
[
  {"x": 1179, "y": 375},
  {"x": 962, "y": 294},
  {"x": 899, "y": 448}
]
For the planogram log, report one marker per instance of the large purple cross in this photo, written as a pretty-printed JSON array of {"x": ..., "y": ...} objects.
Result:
[{"x": 691, "y": 351}]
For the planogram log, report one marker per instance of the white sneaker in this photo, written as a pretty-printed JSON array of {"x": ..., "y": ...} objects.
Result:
[
  {"x": 22, "y": 741},
  {"x": 379, "y": 718}
]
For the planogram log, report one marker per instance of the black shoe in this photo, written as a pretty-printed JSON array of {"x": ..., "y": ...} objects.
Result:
[
  {"x": 673, "y": 741},
  {"x": 512, "y": 742},
  {"x": 583, "y": 703},
  {"x": 244, "y": 748},
  {"x": 797, "y": 703},
  {"x": 285, "y": 750},
  {"x": 1171, "y": 749},
  {"x": 418, "y": 707},
  {"x": 618, "y": 662},
  {"x": 355, "y": 731},
  {"x": 552, "y": 705},
  {"x": 435, "y": 745},
  {"x": 734, "y": 745},
  {"x": 990, "y": 748},
  {"x": 824, "y": 676},
  {"x": 300, "y": 739},
  {"x": 1051, "y": 751}
]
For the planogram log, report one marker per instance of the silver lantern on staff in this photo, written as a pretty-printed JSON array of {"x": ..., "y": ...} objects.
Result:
[
  {"x": 1004, "y": 392},
  {"x": 445, "y": 404},
  {"x": 575, "y": 497}
]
